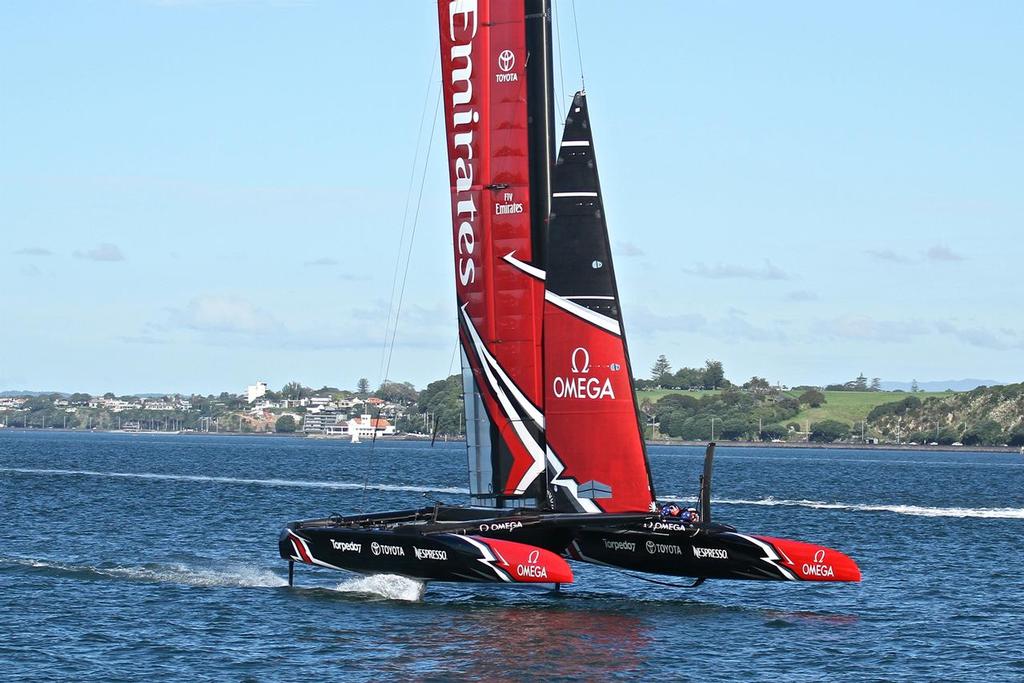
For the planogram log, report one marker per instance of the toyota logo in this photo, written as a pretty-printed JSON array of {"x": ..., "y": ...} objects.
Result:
[
  {"x": 375, "y": 548},
  {"x": 506, "y": 60}
]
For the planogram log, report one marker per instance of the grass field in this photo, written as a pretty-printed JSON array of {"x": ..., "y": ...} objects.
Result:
[
  {"x": 845, "y": 406},
  {"x": 852, "y": 406},
  {"x": 654, "y": 395}
]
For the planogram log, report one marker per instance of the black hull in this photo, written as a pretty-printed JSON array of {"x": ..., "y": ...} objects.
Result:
[
  {"x": 475, "y": 545},
  {"x": 405, "y": 544}
]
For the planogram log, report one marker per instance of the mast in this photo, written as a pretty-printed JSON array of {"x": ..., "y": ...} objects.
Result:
[
  {"x": 499, "y": 289},
  {"x": 540, "y": 109}
]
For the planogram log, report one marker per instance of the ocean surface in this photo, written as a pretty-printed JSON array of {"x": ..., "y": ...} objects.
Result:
[{"x": 154, "y": 557}]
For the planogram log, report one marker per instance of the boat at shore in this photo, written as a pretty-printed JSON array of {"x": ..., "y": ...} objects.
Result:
[{"x": 558, "y": 466}]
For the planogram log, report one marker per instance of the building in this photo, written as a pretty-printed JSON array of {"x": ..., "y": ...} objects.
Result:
[
  {"x": 254, "y": 391},
  {"x": 325, "y": 422},
  {"x": 365, "y": 426}
]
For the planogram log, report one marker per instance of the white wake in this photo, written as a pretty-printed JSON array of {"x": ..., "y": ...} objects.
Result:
[
  {"x": 231, "y": 576},
  {"x": 389, "y": 586},
  {"x": 288, "y": 483},
  {"x": 913, "y": 510}
]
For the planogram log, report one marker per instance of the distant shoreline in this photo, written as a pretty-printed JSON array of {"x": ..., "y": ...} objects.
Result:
[{"x": 1011, "y": 450}]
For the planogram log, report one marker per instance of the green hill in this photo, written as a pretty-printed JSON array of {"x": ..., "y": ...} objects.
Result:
[
  {"x": 988, "y": 416},
  {"x": 735, "y": 413},
  {"x": 852, "y": 407}
]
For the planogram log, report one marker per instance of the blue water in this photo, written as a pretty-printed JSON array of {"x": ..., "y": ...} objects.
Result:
[{"x": 126, "y": 557}]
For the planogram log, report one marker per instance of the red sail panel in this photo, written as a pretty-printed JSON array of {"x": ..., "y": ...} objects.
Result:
[
  {"x": 596, "y": 456},
  {"x": 592, "y": 430},
  {"x": 500, "y": 305}
]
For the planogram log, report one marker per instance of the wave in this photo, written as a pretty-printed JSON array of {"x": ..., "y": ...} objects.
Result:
[
  {"x": 236, "y": 576},
  {"x": 291, "y": 483},
  {"x": 913, "y": 510},
  {"x": 387, "y": 586}
]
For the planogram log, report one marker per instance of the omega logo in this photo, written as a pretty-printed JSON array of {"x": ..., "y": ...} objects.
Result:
[{"x": 579, "y": 354}]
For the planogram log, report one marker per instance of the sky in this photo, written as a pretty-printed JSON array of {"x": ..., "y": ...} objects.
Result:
[{"x": 199, "y": 194}]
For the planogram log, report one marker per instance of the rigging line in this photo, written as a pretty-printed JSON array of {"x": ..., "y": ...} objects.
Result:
[
  {"x": 579, "y": 49},
  {"x": 412, "y": 234},
  {"x": 405, "y": 277},
  {"x": 451, "y": 363},
  {"x": 561, "y": 62},
  {"x": 405, "y": 212}
]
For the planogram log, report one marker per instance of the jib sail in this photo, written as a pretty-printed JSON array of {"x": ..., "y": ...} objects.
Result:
[
  {"x": 499, "y": 294},
  {"x": 595, "y": 450}
]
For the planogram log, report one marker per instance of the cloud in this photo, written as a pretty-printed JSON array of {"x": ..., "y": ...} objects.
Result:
[
  {"x": 143, "y": 339},
  {"x": 646, "y": 321},
  {"x": 939, "y": 253},
  {"x": 768, "y": 271},
  {"x": 628, "y": 249},
  {"x": 1003, "y": 340},
  {"x": 865, "y": 328},
  {"x": 733, "y": 326},
  {"x": 322, "y": 261},
  {"x": 801, "y": 295},
  {"x": 34, "y": 251},
  {"x": 226, "y": 320},
  {"x": 223, "y": 314},
  {"x": 934, "y": 254},
  {"x": 102, "y": 252},
  {"x": 888, "y": 255}
]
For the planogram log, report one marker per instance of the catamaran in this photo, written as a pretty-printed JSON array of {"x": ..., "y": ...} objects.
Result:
[{"x": 558, "y": 466}]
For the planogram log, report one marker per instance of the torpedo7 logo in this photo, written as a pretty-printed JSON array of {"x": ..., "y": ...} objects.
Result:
[{"x": 580, "y": 383}]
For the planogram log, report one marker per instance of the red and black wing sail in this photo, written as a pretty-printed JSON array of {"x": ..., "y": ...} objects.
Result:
[
  {"x": 499, "y": 289},
  {"x": 597, "y": 460}
]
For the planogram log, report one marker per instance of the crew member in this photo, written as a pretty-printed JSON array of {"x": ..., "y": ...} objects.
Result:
[{"x": 671, "y": 510}]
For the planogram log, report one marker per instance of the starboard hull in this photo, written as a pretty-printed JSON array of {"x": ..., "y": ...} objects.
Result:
[{"x": 715, "y": 552}]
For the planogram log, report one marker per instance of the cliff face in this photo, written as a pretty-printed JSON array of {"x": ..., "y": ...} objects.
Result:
[{"x": 986, "y": 415}]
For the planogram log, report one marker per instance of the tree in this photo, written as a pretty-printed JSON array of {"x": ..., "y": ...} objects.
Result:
[
  {"x": 913, "y": 386},
  {"x": 398, "y": 392},
  {"x": 773, "y": 432},
  {"x": 1017, "y": 437},
  {"x": 813, "y": 398},
  {"x": 756, "y": 383},
  {"x": 688, "y": 377},
  {"x": 828, "y": 431},
  {"x": 294, "y": 391},
  {"x": 985, "y": 433},
  {"x": 861, "y": 383},
  {"x": 285, "y": 424},
  {"x": 714, "y": 374},
  {"x": 363, "y": 386},
  {"x": 876, "y": 384},
  {"x": 660, "y": 367},
  {"x": 443, "y": 401}
]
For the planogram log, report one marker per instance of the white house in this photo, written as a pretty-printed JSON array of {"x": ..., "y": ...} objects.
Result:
[
  {"x": 365, "y": 426},
  {"x": 254, "y": 391}
]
